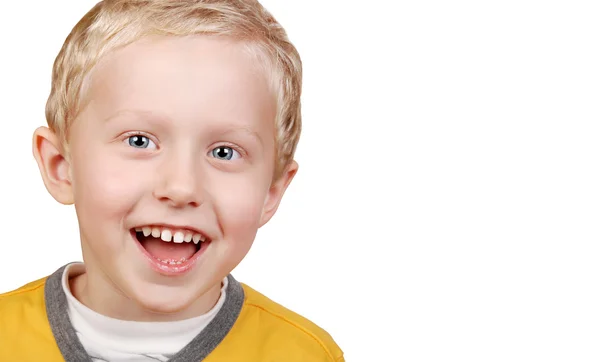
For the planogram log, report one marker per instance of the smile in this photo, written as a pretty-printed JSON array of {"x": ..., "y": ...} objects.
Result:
[{"x": 170, "y": 250}]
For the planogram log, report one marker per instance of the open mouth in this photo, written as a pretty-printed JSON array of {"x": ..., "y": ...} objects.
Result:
[{"x": 171, "y": 249}]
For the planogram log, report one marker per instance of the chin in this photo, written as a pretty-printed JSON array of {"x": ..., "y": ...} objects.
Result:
[{"x": 162, "y": 299}]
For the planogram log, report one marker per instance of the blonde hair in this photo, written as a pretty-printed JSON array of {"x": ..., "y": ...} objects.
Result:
[{"x": 113, "y": 24}]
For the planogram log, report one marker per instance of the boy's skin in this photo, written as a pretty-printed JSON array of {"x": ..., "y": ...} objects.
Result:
[{"x": 189, "y": 96}]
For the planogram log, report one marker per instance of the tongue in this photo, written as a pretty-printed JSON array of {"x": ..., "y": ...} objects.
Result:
[{"x": 169, "y": 251}]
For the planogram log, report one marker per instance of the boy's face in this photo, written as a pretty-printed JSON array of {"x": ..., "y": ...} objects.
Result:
[{"x": 177, "y": 134}]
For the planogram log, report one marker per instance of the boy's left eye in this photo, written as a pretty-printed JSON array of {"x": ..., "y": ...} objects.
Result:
[
  {"x": 140, "y": 141},
  {"x": 225, "y": 153}
]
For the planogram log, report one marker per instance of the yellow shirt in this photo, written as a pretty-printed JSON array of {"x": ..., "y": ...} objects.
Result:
[{"x": 34, "y": 326}]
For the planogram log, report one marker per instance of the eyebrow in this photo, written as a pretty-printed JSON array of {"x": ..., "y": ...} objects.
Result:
[
  {"x": 136, "y": 113},
  {"x": 226, "y": 128},
  {"x": 245, "y": 130}
]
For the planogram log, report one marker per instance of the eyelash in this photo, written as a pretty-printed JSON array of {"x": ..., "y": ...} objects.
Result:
[
  {"x": 231, "y": 145},
  {"x": 127, "y": 135},
  {"x": 240, "y": 150}
]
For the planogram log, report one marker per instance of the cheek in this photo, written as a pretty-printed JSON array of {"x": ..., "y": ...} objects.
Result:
[
  {"x": 104, "y": 187},
  {"x": 239, "y": 208}
]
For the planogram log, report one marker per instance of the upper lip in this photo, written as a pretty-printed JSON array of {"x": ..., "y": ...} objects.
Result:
[{"x": 178, "y": 227}]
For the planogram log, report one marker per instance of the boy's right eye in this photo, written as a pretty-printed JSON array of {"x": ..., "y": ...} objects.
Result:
[{"x": 140, "y": 141}]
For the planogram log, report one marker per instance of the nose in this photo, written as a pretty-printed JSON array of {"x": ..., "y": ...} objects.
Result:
[{"x": 178, "y": 184}]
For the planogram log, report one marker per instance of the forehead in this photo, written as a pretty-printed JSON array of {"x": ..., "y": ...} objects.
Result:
[{"x": 184, "y": 78}]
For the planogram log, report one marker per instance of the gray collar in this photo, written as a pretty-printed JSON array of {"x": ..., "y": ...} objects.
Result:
[{"x": 197, "y": 350}]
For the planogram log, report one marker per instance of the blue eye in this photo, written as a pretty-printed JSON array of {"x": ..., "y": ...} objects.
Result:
[
  {"x": 225, "y": 153},
  {"x": 139, "y": 141}
]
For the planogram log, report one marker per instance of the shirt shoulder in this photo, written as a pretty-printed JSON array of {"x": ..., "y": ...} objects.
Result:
[
  {"x": 27, "y": 295},
  {"x": 284, "y": 330},
  {"x": 25, "y": 332}
]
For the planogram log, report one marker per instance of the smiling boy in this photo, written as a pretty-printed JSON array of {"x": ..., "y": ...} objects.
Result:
[{"x": 172, "y": 130}]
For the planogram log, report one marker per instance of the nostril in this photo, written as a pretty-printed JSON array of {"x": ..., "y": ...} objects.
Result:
[
  {"x": 179, "y": 202},
  {"x": 178, "y": 195}
]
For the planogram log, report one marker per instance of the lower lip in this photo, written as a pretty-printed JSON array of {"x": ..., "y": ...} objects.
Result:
[{"x": 169, "y": 269}]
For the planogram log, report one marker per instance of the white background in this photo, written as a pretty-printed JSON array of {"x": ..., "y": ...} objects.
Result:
[{"x": 447, "y": 206}]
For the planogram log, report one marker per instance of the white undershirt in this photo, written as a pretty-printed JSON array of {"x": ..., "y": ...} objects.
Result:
[{"x": 114, "y": 340}]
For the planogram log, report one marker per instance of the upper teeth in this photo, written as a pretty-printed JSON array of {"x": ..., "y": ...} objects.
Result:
[{"x": 168, "y": 235}]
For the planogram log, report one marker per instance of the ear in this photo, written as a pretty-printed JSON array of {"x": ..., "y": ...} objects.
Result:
[
  {"x": 54, "y": 167},
  {"x": 276, "y": 192}
]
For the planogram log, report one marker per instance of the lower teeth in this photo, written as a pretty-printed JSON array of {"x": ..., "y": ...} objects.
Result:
[{"x": 172, "y": 261}]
